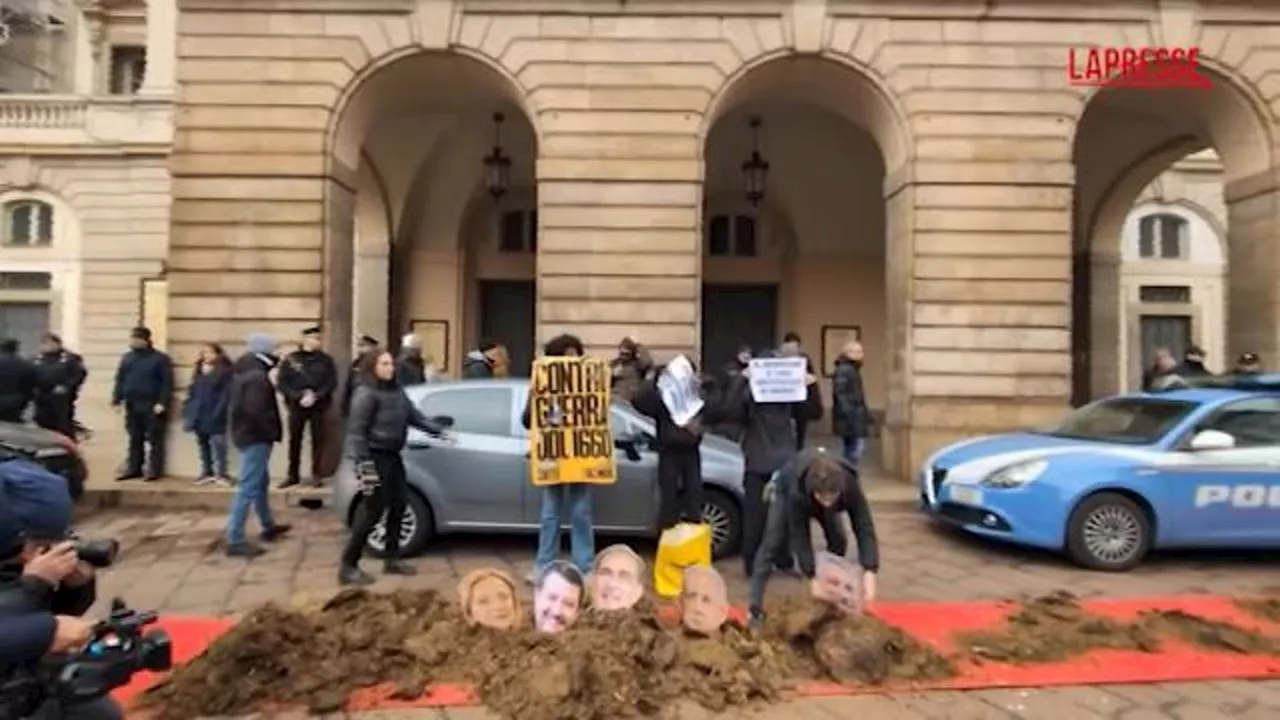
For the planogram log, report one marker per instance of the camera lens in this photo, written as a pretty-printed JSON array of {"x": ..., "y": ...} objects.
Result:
[{"x": 98, "y": 553}]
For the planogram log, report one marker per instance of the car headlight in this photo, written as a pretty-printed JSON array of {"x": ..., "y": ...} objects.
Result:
[{"x": 1016, "y": 475}]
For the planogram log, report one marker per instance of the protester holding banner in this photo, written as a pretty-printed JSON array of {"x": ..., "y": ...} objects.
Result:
[
  {"x": 570, "y": 447},
  {"x": 675, "y": 399},
  {"x": 813, "y": 485},
  {"x": 765, "y": 400}
]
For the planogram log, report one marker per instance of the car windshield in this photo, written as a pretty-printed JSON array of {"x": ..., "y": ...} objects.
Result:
[{"x": 1131, "y": 421}]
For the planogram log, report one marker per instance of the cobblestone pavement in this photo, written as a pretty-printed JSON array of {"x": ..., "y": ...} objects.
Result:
[{"x": 171, "y": 561}]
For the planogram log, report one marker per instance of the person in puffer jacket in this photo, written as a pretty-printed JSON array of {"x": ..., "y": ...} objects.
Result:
[
  {"x": 679, "y": 451},
  {"x": 768, "y": 442}
]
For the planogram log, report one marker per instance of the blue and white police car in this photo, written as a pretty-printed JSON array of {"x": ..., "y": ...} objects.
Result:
[{"x": 1193, "y": 467}]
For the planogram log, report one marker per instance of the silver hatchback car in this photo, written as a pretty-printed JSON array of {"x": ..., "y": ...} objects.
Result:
[{"x": 481, "y": 484}]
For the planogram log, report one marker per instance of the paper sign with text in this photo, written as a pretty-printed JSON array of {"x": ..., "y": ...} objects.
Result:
[
  {"x": 569, "y": 438},
  {"x": 778, "y": 380},
  {"x": 680, "y": 390}
]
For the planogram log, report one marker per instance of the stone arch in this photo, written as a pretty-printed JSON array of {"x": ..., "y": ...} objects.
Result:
[{"x": 853, "y": 91}]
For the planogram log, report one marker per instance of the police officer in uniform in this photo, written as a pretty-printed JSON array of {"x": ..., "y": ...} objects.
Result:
[
  {"x": 59, "y": 375},
  {"x": 17, "y": 382},
  {"x": 308, "y": 380}
]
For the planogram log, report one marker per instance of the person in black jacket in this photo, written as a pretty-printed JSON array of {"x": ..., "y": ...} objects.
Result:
[
  {"x": 204, "y": 413},
  {"x": 17, "y": 382},
  {"x": 813, "y": 485},
  {"x": 411, "y": 368},
  {"x": 768, "y": 442},
  {"x": 850, "y": 417},
  {"x": 59, "y": 375},
  {"x": 355, "y": 373},
  {"x": 308, "y": 379},
  {"x": 679, "y": 451},
  {"x": 44, "y": 586},
  {"x": 377, "y": 430},
  {"x": 254, "y": 418},
  {"x": 144, "y": 391},
  {"x": 791, "y": 347},
  {"x": 480, "y": 363}
]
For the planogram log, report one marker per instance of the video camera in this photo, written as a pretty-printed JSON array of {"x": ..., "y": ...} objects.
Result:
[{"x": 120, "y": 647}]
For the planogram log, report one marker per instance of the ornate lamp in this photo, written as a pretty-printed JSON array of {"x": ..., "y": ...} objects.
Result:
[
  {"x": 497, "y": 164},
  {"x": 755, "y": 171}
]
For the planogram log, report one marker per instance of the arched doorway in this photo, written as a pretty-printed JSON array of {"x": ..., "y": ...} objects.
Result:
[
  {"x": 415, "y": 231},
  {"x": 803, "y": 248},
  {"x": 1125, "y": 139}
]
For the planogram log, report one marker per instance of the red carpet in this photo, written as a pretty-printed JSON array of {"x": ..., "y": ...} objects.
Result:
[{"x": 931, "y": 623}]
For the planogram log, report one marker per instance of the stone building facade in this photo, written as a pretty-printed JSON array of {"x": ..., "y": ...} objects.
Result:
[{"x": 935, "y": 182}]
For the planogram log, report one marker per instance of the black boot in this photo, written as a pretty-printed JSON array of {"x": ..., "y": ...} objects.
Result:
[
  {"x": 351, "y": 575},
  {"x": 398, "y": 567}
]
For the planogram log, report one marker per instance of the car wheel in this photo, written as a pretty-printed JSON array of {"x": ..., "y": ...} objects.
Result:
[
  {"x": 1108, "y": 532},
  {"x": 721, "y": 513},
  {"x": 416, "y": 529}
]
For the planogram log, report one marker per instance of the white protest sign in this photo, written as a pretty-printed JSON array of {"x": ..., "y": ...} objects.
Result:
[
  {"x": 778, "y": 380},
  {"x": 680, "y": 391}
]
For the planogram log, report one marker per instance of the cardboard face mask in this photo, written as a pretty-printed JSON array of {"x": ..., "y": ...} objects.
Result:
[
  {"x": 617, "y": 580},
  {"x": 558, "y": 593},
  {"x": 489, "y": 599},
  {"x": 838, "y": 581},
  {"x": 704, "y": 600}
]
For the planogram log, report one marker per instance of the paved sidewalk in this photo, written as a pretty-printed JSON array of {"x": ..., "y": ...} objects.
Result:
[{"x": 172, "y": 561}]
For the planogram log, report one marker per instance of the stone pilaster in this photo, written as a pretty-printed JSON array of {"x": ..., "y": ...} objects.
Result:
[{"x": 1253, "y": 286}]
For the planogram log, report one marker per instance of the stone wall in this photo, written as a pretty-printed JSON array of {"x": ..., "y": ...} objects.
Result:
[{"x": 621, "y": 100}]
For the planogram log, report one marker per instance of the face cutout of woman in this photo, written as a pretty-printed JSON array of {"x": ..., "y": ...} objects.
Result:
[
  {"x": 617, "y": 581},
  {"x": 837, "y": 581},
  {"x": 489, "y": 599}
]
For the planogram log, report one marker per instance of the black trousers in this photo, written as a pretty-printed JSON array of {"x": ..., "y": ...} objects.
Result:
[
  {"x": 100, "y": 709},
  {"x": 300, "y": 420},
  {"x": 802, "y": 433},
  {"x": 679, "y": 486},
  {"x": 754, "y": 515},
  {"x": 390, "y": 497},
  {"x": 56, "y": 413},
  {"x": 147, "y": 434}
]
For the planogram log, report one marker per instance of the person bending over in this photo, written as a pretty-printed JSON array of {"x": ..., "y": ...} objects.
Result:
[
  {"x": 377, "y": 430},
  {"x": 819, "y": 486}
]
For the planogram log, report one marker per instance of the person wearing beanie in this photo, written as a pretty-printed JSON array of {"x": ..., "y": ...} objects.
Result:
[
  {"x": 254, "y": 419},
  {"x": 308, "y": 380},
  {"x": 143, "y": 392},
  {"x": 411, "y": 367},
  {"x": 17, "y": 382}
]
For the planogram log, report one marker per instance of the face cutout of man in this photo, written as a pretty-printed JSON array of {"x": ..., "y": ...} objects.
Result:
[
  {"x": 836, "y": 580},
  {"x": 617, "y": 582},
  {"x": 558, "y": 592},
  {"x": 704, "y": 600},
  {"x": 488, "y": 598}
]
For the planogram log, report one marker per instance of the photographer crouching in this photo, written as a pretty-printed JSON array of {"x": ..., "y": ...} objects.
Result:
[{"x": 56, "y": 664}]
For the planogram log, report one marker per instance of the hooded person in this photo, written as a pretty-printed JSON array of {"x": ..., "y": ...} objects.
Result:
[
  {"x": 630, "y": 368},
  {"x": 254, "y": 420},
  {"x": 411, "y": 368},
  {"x": 481, "y": 363}
]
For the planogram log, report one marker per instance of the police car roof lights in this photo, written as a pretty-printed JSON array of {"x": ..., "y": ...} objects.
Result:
[{"x": 1260, "y": 382}]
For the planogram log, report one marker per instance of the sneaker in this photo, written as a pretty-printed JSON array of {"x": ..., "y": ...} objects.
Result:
[
  {"x": 244, "y": 550},
  {"x": 128, "y": 475},
  {"x": 288, "y": 483},
  {"x": 398, "y": 567},
  {"x": 205, "y": 480},
  {"x": 276, "y": 532},
  {"x": 222, "y": 481},
  {"x": 354, "y": 576}
]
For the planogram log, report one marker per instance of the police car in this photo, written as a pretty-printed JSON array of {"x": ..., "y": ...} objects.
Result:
[{"x": 1195, "y": 467}]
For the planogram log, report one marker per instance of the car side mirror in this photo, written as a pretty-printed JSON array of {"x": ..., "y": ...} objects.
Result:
[
  {"x": 1212, "y": 440},
  {"x": 629, "y": 447},
  {"x": 442, "y": 420}
]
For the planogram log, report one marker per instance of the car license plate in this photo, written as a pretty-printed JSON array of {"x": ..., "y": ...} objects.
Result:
[{"x": 966, "y": 495}]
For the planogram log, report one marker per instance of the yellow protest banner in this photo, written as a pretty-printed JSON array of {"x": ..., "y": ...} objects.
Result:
[{"x": 569, "y": 438}]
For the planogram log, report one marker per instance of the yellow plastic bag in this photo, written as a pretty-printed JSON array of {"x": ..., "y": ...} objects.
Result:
[{"x": 680, "y": 547}]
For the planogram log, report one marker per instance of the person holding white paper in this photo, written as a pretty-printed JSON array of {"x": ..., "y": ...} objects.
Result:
[
  {"x": 675, "y": 398},
  {"x": 768, "y": 443}
]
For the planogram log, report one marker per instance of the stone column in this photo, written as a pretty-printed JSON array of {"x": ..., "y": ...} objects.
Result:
[
  {"x": 1253, "y": 267},
  {"x": 162, "y": 48},
  {"x": 88, "y": 50},
  {"x": 981, "y": 312},
  {"x": 618, "y": 250}
]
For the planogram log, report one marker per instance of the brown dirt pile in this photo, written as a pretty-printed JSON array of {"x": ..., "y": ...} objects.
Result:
[
  {"x": 610, "y": 665},
  {"x": 1209, "y": 634},
  {"x": 1054, "y": 627},
  {"x": 1265, "y": 608}
]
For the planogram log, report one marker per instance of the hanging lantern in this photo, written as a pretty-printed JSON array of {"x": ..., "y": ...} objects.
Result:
[
  {"x": 497, "y": 165},
  {"x": 755, "y": 171}
]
